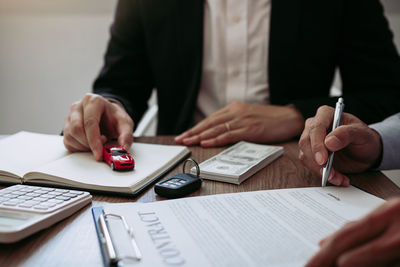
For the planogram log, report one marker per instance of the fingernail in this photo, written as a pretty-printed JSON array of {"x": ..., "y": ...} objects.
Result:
[
  {"x": 332, "y": 179},
  {"x": 333, "y": 142},
  {"x": 188, "y": 140},
  {"x": 126, "y": 147},
  {"x": 301, "y": 154},
  {"x": 319, "y": 158},
  {"x": 346, "y": 182},
  {"x": 331, "y": 174}
]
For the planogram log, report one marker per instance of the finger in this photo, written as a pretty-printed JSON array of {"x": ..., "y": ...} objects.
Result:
[
  {"x": 125, "y": 138},
  {"x": 75, "y": 128},
  {"x": 345, "y": 135},
  {"x": 179, "y": 138},
  {"x": 349, "y": 236},
  {"x": 209, "y": 122},
  {"x": 305, "y": 154},
  {"x": 207, "y": 134},
  {"x": 305, "y": 135},
  {"x": 92, "y": 112},
  {"x": 225, "y": 138},
  {"x": 380, "y": 251},
  {"x": 220, "y": 116},
  {"x": 318, "y": 129},
  {"x": 338, "y": 179},
  {"x": 72, "y": 145}
]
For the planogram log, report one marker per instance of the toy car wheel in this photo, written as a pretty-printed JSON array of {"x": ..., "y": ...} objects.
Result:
[{"x": 112, "y": 166}]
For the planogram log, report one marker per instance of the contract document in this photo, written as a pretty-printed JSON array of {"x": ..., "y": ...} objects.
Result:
[{"x": 260, "y": 228}]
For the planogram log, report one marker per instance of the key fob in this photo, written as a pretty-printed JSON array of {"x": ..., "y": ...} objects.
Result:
[{"x": 179, "y": 185}]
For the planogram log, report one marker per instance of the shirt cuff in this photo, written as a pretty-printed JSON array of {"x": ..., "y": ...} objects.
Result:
[{"x": 391, "y": 144}]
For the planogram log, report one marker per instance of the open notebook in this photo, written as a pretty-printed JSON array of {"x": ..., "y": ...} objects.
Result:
[{"x": 34, "y": 158}]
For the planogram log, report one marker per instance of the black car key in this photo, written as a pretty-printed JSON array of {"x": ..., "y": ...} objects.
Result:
[{"x": 179, "y": 185}]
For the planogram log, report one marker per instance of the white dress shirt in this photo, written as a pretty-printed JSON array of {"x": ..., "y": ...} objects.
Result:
[{"x": 235, "y": 54}]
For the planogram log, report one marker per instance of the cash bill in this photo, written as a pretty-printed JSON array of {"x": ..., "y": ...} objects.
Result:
[{"x": 238, "y": 162}]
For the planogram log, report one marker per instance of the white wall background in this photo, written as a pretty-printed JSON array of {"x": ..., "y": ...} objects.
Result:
[{"x": 50, "y": 52}]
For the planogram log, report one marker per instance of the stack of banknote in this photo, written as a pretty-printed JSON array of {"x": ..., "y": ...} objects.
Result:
[{"x": 238, "y": 162}]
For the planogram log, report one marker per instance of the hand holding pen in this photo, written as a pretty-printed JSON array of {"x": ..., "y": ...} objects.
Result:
[{"x": 357, "y": 147}]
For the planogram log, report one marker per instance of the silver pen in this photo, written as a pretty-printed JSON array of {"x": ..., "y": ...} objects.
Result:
[{"x": 336, "y": 122}]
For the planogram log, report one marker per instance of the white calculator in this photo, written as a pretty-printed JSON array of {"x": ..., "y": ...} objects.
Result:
[{"x": 26, "y": 209}]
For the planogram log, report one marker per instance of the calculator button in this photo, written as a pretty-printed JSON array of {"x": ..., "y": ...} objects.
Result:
[
  {"x": 30, "y": 202},
  {"x": 40, "y": 191},
  {"x": 15, "y": 200},
  {"x": 55, "y": 193},
  {"x": 10, "y": 203},
  {"x": 47, "y": 189},
  {"x": 26, "y": 205},
  {"x": 27, "y": 189},
  {"x": 15, "y": 187},
  {"x": 24, "y": 197},
  {"x": 53, "y": 200},
  {"x": 39, "y": 199},
  {"x": 70, "y": 195},
  {"x": 32, "y": 194},
  {"x": 18, "y": 193},
  {"x": 61, "y": 190},
  {"x": 76, "y": 192},
  {"x": 49, "y": 205},
  {"x": 40, "y": 207},
  {"x": 47, "y": 196},
  {"x": 63, "y": 198}
]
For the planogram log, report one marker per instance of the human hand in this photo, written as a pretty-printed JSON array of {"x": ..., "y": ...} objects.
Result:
[
  {"x": 92, "y": 121},
  {"x": 358, "y": 146},
  {"x": 371, "y": 241},
  {"x": 249, "y": 122}
]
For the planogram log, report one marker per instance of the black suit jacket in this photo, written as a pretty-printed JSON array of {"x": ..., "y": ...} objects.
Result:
[{"x": 158, "y": 44}]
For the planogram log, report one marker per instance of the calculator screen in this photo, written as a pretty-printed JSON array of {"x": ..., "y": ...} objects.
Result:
[{"x": 8, "y": 221}]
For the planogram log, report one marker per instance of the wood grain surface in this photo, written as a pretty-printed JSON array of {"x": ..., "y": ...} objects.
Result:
[{"x": 73, "y": 241}]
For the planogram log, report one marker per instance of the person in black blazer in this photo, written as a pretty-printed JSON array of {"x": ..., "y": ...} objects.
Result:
[{"x": 158, "y": 44}]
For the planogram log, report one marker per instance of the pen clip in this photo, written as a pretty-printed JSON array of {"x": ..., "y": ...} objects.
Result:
[
  {"x": 106, "y": 241},
  {"x": 116, "y": 243},
  {"x": 129, "y": 230}
]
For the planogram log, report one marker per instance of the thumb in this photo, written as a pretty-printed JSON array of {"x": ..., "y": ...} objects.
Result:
[
  {"x": 125, "y": 135},
  {"x": 346, "y": 135}
]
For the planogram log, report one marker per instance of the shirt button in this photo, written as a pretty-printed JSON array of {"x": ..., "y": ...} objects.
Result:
[{"x": 236, "y": 19}]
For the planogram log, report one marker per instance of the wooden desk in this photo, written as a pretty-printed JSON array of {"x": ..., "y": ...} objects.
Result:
[{"x": 74, "y": 242}]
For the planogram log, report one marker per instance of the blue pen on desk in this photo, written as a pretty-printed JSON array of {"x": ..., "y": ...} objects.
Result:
[{"x": 336, "y": 122}]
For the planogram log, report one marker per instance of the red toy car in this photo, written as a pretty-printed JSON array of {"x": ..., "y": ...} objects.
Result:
[{"x": 118, "y": 158}]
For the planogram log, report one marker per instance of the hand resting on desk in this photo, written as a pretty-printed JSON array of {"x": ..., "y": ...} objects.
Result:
[
  {"x": 358, "y": 146},
  {"x": 92, "y": 121},
  {"x": 371, "y": 241},
  {"x": 245, "y": 122}
]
